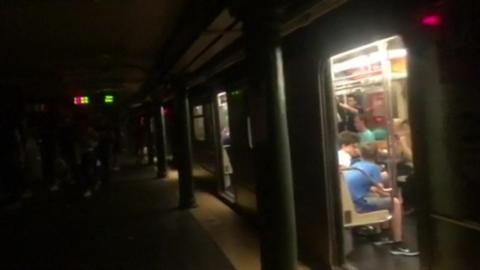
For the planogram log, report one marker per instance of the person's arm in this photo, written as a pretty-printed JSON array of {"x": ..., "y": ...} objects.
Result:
[
  {"x": 378, "y": 178},
  {"x": 380, "y": 190},
  {"x": 349, "y": 108}
]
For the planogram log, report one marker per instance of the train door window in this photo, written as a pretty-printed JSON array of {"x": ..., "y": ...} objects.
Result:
[
  {"x": 224, "y": 132},
  {"x": 374, "y": 153},
  {"x": 198, "y": 123}
]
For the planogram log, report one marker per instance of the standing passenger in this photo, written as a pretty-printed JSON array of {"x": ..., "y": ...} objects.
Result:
[
  {"x": 89, "y": 143},
  {"x": 351, "y": 109},
  {"x": 104, "y": 150}
]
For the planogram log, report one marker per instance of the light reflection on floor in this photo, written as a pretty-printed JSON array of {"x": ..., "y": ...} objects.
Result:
[
  {"x": 237, "y": 238},
  {"x": 232, "y": 234}
]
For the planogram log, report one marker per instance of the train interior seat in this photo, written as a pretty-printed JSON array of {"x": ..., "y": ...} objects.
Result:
[{"x": 352, "y": 218}]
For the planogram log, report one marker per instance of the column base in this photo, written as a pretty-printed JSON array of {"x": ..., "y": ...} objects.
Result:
[{"x": 162, "y": 175}]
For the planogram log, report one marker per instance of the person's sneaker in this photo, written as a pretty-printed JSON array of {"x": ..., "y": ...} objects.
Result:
[
  {"x": 54, "y": 188},
  {"x": 400, "y": 249},
  {"x": 367, "y": 231},
  {"x": 383, "y": 241},
  {"x": 87, "y": 194}
]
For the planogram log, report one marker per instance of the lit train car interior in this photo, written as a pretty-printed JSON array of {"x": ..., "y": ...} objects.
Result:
[{"x": 375, "y": 153}]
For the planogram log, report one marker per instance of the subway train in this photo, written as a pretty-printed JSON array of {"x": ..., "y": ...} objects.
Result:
[{"x": 399, "y": 75}]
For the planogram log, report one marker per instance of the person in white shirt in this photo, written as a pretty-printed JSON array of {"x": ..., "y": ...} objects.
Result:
[{"x": 348, "y": 148}]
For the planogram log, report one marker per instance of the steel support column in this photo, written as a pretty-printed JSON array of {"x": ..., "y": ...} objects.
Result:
[
  {"x": 150, "y": 136},
  {"x": 272, "y": 150},
  {"x": 160, "y": 141},
  {"x": 184, "y": 151}
]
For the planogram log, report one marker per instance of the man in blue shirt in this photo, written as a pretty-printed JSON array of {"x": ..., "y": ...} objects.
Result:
[{"x": 364, "y": 181}]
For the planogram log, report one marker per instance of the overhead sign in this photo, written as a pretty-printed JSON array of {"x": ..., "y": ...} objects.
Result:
[
  {"x": 108, "y": 99},
  {"x": 81, "y": 100}
]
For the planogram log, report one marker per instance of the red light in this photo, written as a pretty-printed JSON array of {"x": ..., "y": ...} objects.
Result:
[
  {"x": 82, "y": 100},
  {"x": 431, "y": 20}
]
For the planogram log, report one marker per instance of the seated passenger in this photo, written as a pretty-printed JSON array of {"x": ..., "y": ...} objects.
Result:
[
  {"x": 365, "y": 134},
  {"x": 368, "y": 194},
  {"x": 348, "y": 148}
]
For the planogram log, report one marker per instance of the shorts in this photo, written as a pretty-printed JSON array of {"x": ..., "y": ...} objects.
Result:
[{"x": 372, "y": 202}]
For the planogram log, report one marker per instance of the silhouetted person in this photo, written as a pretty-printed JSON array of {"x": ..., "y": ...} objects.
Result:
[
  {"x": 104, "y": 150},
  {"x": 47, "y": 148},
  {"x": 89, "y": 143},
  {"x": 32, "y": 161},
  {"x": 67, "y": 140}
]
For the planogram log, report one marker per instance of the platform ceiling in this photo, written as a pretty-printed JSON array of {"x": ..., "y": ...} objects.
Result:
[{"x": 83, "y": 45}]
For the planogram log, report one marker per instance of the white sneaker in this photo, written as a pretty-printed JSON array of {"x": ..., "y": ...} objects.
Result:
[{"x": 403, "y": 250}]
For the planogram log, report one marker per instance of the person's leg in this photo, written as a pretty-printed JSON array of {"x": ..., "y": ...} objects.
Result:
[
  {"x": 374, "y": 203},
  {"x": 395, "y": 205},
  {"x": 397, "y": 220},
  {"x": 399, "y": 247}
]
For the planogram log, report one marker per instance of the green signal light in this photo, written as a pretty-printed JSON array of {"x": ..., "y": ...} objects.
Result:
[{"x": 108, "y": 99}]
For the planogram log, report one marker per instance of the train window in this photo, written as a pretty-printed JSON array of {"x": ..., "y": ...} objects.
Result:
[
  {"x": 198, "y": 110},
  {"x": 198, "y": 123},
  {"x": 374, "y": 151}
]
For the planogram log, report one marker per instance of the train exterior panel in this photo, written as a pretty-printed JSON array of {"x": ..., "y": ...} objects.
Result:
[{"x": 442, "y": 106}]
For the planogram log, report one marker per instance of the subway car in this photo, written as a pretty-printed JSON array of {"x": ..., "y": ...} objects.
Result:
[{"x": 401, "y": 77}]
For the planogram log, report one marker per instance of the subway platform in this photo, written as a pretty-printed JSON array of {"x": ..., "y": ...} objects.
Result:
[{"x": 134, "y": 224}]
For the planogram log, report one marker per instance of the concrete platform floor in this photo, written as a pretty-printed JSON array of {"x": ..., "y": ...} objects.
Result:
[{"x": 132, "y": 225}]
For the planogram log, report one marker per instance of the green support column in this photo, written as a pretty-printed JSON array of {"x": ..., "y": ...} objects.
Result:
[
  {"x": 150, "y": 138},
  {"x": 160, "y": 141},
  {"x": 184, "y": 151},
  {"x": 272, "y": 150}
]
